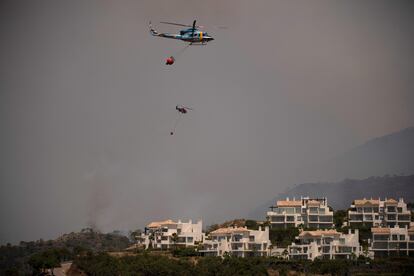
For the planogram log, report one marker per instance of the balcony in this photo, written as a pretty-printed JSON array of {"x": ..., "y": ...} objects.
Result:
[{"x": 404, "y": 217}]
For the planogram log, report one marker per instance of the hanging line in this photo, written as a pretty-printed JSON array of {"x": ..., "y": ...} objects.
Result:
[{"x": 176, "y": 123}]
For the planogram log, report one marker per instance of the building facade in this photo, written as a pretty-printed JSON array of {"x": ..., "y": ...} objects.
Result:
[
  {"x": 237, "y": 241},
  {"x": 392, "y": 242},
  {"x": 377, "y": 212},
  {"x": 309, "y": 212},
  {"x": 168, "y": 234},
  {"x": 325, "y": 244}
]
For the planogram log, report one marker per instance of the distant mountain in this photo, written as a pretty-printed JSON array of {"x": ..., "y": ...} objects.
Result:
[
  {"x": 390, "y": 154},
  {"x": 341, "y": 194}
]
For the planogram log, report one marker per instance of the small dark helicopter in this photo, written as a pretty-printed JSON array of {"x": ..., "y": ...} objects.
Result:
[
  {"x": 182, "y": 110},
  {"x": 193, "y": 35}
]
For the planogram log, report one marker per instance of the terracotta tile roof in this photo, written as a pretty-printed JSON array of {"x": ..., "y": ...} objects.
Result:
[
  {"x": 157, "y": 224},
  {"x": 318, "y": 233},
  {"x": 391, "y": 201},
  {"x": 361, "y": 202},
  {"x": 314, "y": 203},
  {"x": 380, "y": 230},
  {"x": 289, "y": 203},
  {"x": 229, "y": 230}
]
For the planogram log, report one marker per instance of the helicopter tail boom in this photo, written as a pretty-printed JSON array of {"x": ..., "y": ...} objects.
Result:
[{"x": 156, "y": 33}]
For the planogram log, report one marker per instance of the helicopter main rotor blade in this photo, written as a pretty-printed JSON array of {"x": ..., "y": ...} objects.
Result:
[
  {"x": 194, "y": 26},
  {"x": 175, "y": 24}
]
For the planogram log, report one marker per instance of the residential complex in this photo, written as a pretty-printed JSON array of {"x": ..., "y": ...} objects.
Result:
[
  {"x": 237, "y": 241},
  {"x": 325, "y": 244},
  {"x": 393, "y": 241},
  {"x": 167, "y": 234},
  {"x": 389, "y": 219},
  {"x": 309, "y": 212},
  {"x": 376, "y": 212}
]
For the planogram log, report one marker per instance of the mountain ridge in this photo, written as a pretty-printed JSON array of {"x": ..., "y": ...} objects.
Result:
[{"x": 381, "y": 167}]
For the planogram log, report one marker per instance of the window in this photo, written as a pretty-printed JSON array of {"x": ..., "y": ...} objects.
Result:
[
  {"x": 189, "y": 239},
  {"x": 313, "y": 218},
  {"x": 404, "y": 217},
  {"x": 380, "y": 245},
  {"x": 313, "y": 209},
  {"x": 402, "y": 237},
  {"x": 399, "y": 209},
  {"x": 367, "y": 210},
  {"x": 391, "y": 217},
  {"x": 355, "y": 217},
  {"x": 251, "y": 238},
  {"x": 325, "y": 218},
  {"x": 237, "y": 237},
  {"x": 290, "y": 210},
  {"x": 290, "y": 218},
  {"x": 394, "y": 237},
  {"x": 391, "y": 209},
  {"x": 278, "y": 219},
  {"x": 381, "y": 237}
]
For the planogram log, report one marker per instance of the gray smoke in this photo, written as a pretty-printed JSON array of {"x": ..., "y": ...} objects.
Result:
[{"x": 87, "y": 104}]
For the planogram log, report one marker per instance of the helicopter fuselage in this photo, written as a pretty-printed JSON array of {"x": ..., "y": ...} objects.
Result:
[{"x": 187, "y": 35}]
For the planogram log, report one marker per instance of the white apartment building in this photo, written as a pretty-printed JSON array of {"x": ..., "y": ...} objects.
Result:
[
  {"x": 325, "y": 244},
  {"x": 309, "y": 212},
  {"x": 167, "y": 234},
  {"x": 377, "y": 212},
  {"x": 394, "y": 241},
  {"x": 237, "y": 241}
]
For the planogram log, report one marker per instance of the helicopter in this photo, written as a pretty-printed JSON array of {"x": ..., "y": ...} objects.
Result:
[
  {"x": 181, "y": 110},
  {"x": 193, "y": 35}
]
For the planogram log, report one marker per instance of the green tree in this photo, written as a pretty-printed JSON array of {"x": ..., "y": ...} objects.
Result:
[
  {"x": 174, "y": 239},
  {"x": 251, "y": 224},
  {"x": 283, "y": 237},
  {"x": 45, "y": 260},
  {"x": 135, "y": 236},
  {"x": 212, "y": 227},
  {"x": 339, "y": 217}
]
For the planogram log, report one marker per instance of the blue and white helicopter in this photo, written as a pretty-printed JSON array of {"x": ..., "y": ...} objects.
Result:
[{"x": 193, "y": 35}]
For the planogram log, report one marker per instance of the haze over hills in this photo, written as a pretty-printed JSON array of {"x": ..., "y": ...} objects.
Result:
[
  {"x": 390, "y": 154},
  {"x": 372, "y": 163}
]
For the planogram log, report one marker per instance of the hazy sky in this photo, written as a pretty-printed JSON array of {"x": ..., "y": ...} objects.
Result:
[{"x": 87, "y": 104}]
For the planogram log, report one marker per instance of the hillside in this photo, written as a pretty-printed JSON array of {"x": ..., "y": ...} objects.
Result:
[
  {"x": 341, "y": 194},
  {"x": 390, "y": 154},
  {"x": 17, "y": 256}
]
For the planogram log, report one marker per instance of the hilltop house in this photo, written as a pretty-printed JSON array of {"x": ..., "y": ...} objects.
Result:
[
  {"x": 167, "y": 234},
  {"x": 309, "y": 212},
  {"x": 237, "y": 241},
  {"x": 325, "y": 244},
  {"x": 393, "y": 241},
  {"x": 376, "y": 212}
]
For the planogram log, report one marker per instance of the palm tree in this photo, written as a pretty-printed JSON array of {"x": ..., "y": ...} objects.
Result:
[{"x": 174, "y": 239}]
